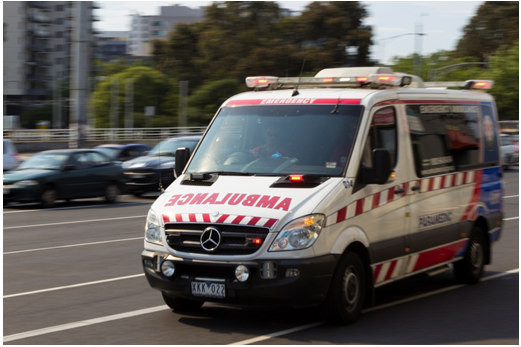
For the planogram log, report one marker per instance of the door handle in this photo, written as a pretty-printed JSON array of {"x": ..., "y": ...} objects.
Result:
[{"x": 399, "y": 191}]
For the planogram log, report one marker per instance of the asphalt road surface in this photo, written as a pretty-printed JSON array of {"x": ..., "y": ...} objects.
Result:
[{"x": 72, "y": 275}]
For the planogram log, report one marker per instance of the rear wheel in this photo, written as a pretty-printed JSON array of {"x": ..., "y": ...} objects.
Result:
[
  {"x": 111, "y": 193},
  {"x": 180, "y": 304},
  {"x": 469, "y": 269},
  {"x": 347, "y": 292},
  {"x": 48, "y": 198}
]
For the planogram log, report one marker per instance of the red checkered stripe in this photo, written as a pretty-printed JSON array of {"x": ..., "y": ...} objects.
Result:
[
  {"x": 388, "y": 196},
  {"x": 389, "y": 270},
  {"x": 222, "y": 219}
]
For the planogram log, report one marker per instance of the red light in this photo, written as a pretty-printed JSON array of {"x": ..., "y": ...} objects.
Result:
[
  {"x": 257, "y": 241},
  {"x": 361, "y": 79},
  {"x": 296, "y": 178},
  {"x": 484, "y": 85},
  {"x": 262, "y": 81},
  {"x": 328, "y": 79},
  {"x": 385, "y": 78}
]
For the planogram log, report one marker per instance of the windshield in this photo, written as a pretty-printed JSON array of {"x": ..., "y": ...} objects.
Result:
[
  {"x": 47, "y": 161},
  {"x": 279, "y": 140},
  {"x": 168, "y": 147}
]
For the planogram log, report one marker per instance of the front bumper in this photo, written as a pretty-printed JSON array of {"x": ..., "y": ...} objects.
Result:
[
  {"x": 146, "y": 180},
  {"x": 309, "y": 288},
  {"x": 13, "y": 193}
]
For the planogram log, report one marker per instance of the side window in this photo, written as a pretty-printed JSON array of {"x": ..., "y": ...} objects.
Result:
[
  {"x": 444, "y": 138},
  {"x": 80, "y": 161},
  {"x": 491, "y": 153},
  {"x": 98, "y": 159},
  {"x": 382, "y": 134}
]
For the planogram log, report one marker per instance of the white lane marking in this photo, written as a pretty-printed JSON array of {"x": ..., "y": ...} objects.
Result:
[
  {"x": 88, "y": 322},
  {"x": 277, "y": 334},
  {"x": 511, "y": 196},
  {"x": 73, "y": 222},
  {"x": 83, "y": 323},
  {"x": 75, "y": 245},
  {"x": 72, "y": 286},
  {"x": 69, "y": 208},
  {"x": 511, "y": 218}
]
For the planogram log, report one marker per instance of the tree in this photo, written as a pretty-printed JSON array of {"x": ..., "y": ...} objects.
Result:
[
  {"x": 504, "y": 70},
  {"x": 495, "y": 24},
  {"x": 150, "y": 88}
]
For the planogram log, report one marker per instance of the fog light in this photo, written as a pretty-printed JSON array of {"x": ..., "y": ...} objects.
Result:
[
  {"x": 148, "y": 263},
  {"x": 292, "y": 273},
  {"x": 168, "y": 268},
  {"x": 242, "y": 273}
]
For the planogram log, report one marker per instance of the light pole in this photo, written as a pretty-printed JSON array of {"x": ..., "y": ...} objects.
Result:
[{"x": 394, "y": 37}]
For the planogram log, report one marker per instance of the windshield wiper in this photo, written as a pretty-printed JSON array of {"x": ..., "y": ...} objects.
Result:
[{"x": 229, "y": 173}]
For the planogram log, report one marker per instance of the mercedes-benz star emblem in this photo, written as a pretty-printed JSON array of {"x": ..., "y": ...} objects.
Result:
[{"x": 210, "y": 239}]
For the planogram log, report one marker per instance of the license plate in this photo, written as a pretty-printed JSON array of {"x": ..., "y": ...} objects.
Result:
[{"x": 208, "y": 289}]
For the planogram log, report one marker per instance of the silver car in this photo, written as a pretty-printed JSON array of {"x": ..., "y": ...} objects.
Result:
[{"x": 11, "y": 156}]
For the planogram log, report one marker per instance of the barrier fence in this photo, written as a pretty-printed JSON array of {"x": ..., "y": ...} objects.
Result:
[{"x": 98, "y": 134}]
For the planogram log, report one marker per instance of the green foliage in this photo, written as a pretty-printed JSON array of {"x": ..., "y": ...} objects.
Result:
[
  {"x": 206, "y": 100},
  {"x": 495, "y": 24},
  {"x": 504, "y": 70},
  {"x": 150, "y": 88}
]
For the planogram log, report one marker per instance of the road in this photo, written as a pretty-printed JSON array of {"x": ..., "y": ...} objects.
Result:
[{"x": 72, "y": 275}]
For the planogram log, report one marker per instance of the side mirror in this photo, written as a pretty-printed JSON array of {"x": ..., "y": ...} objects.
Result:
[
  {"x": 382, "y": 167},
  {"x": 182, "y": 155}
]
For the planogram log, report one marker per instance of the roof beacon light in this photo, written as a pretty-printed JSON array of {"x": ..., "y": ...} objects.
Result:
[
  {"x": 481, "y": 84},
  {"x": 362, "y": 79},
  {"x": 260, "y": 81},
  {"x": 296, "y": 178}
]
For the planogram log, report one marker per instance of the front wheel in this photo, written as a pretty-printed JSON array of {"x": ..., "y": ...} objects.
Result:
[
  {"x": 48, "y": 197},
  {"x": 347, "y": 292},
  {"x": 180, "y": 304},
  {"x": 469, "y": 269}
]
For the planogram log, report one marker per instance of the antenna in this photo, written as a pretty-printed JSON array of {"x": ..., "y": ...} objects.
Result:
[{"x": 295, "y": 92}]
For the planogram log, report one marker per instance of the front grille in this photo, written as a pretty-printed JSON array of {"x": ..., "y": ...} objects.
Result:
[{"x": 235, "y": 239}]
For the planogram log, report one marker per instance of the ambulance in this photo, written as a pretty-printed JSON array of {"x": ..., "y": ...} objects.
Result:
[{"x": 317, "y": 190}]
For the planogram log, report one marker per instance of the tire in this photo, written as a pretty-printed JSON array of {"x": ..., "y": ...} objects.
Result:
[
  {"x": 137, "y": 193},
  {"x": 469, "y": 269},
  {"x": 48, "y": 197},
  {"x": 347, "y": 292},
  {"x": 111, "y": 193},
  {"x": 180, "y": 304}
]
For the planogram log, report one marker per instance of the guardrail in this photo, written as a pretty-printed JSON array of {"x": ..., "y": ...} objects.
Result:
[{"x": 98, "y": 134}]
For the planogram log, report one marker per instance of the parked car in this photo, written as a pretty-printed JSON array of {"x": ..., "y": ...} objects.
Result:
[
  {"x": 509, "y": 155},
  {"x": 156, "y": 169},
  {"x": 11, "y": 156},
  {"x": 63, "y": 175},
  {"x": 122, "y": 153}
]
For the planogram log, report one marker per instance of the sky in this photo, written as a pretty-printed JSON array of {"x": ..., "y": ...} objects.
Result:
[{"x": 395, "y": 24}]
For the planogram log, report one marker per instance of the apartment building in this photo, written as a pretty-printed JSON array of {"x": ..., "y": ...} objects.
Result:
[
  {"x": 145, "y": 29},
  {"x": 38, "y": 50}
]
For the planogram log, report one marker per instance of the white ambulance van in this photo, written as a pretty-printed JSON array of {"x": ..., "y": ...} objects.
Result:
[{"x": 317, "y": 190}]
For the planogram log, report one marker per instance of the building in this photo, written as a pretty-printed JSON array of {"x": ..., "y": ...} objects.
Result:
[
  {"x": 39, "y": 50},
  {"x": 112, "y": 45},
  {"x": 145, "y": 29}
]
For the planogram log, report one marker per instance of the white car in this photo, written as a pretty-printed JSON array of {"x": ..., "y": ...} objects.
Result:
[
  {"x": 508, "y": 152},
  {"x": 11, "y": 156}
]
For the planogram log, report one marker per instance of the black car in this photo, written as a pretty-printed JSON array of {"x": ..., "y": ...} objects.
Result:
[
  {"x": 144, "y": 174},
  {"x": 63, "y": 175},
  {"x": 123, "y": 153}
]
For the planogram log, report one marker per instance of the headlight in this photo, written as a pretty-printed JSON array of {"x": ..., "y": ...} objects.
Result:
[
  {"x": 27, "y": 183},
  {"x": 167, "y": 165},
  {"x": 299, "y": 234},
  {"x": 152, "y": 229}
]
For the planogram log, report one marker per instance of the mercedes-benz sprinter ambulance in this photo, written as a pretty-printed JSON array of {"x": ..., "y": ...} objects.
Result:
[{"x": 319, "y": 190}]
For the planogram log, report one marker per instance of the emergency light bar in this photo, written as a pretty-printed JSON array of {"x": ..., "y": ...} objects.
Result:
[
  {"x": 373, "y": 80},
  {"x": 469, "y": 84}
]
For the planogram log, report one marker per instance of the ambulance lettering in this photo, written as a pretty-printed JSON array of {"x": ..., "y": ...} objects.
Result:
[
  {"x": 434, "y": 219},
  {"x": 264, "y": 201}
]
